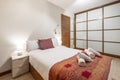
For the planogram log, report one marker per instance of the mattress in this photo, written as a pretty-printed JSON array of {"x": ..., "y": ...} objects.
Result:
[{"x": 43, "y": 60}]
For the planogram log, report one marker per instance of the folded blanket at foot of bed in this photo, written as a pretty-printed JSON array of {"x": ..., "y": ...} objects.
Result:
[{"x": 69, "y": 69}]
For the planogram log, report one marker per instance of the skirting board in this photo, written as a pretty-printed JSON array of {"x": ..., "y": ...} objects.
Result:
[
  {"x": 6, "y": 72},
  {"x": 35, "y": 74},
  {"x": 112, "y": 55}
]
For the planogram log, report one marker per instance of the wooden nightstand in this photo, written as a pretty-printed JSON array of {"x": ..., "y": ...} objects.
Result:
[{"x": 20, "y": 64}]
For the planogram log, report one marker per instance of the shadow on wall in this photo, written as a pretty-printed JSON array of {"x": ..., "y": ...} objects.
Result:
[
  {"x": 5, "y": 65},
  {"x": 6, "y": 49}
]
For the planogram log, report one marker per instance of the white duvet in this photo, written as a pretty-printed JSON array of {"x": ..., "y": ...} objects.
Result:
[{"x": 43, "y": 60}]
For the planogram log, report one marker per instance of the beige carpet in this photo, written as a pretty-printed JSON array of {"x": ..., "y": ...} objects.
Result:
[
  {"x": 26, "y": 76},
  {"x": 115, "y": 73},
  {"x": 115, "y": 69}
]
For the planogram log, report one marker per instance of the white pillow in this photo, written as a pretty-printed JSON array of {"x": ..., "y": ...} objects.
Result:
[
  {"x": 32, "y": 45},
  {"x": 55, "y": 42}
]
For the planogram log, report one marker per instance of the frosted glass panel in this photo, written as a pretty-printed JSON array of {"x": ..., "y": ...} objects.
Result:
[
  {"x": 95, "y": 14},
  {"x": 112, "y": 35},
  {"x": 81, "y": 17},
  {"x": 93, "y": 25},
  {"x": 112, "y": 10},
  {"x": 112, "y": 23},
  {"x": 71, "y": 43},
  {"x": 95, "y": 45},
  {"x": 81, "y": 26},
  {"x": 80, "y": 44},
  {"x": 95, "y": 35},
  {"x": 71, "y": 20},
  {"x": 71, "y": 35},
  {"x": 112, "y": 48},
  {"x": 71, "y": 25},
  {"x": 80, "y": 35}
]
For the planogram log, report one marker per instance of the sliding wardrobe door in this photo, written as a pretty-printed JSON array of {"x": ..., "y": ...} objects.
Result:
[
  {"x": 71, "y": 33},
  {"x": 95, "y": 29},
  {"x": 81, "y": 27},
  {"x": 99, "y": 28},
  {"x": 112, "y": 29}
]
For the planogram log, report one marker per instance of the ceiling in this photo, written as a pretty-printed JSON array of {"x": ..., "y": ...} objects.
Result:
[{"x": 75, "y": 6}]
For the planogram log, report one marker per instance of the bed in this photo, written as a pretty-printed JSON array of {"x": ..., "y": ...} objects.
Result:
[{"x": 56, "y": 64}]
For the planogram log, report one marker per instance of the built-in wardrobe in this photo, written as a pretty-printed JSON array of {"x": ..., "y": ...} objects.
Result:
[{"x": 98, "y": 28}]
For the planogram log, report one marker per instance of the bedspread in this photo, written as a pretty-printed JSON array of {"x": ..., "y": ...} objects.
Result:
[{"x": 69, "y": 69}]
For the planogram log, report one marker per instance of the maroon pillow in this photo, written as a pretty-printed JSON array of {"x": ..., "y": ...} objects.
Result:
[{"x": 45, "y": 44}]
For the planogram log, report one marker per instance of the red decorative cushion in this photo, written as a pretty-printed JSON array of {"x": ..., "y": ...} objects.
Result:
[{"x": 45, "y": 44}]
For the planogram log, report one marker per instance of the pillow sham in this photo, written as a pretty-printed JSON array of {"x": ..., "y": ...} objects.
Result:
[
  {"x": 45, "y": 44},
  {"x": 55, "y": 42},
  {"x": 32, "y": 45}
]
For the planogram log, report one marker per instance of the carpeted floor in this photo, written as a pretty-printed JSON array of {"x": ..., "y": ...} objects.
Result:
[
  {"x": 115, "y": 69},
  {"x": 115, "y": 73},
  {"x": 26, "y": 76}
]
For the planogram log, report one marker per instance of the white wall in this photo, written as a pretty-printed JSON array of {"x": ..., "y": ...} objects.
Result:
[{"x": 23, "y": 19}]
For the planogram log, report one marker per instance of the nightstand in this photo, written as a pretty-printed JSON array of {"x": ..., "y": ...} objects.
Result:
[{"x": 20, "y": 64}]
